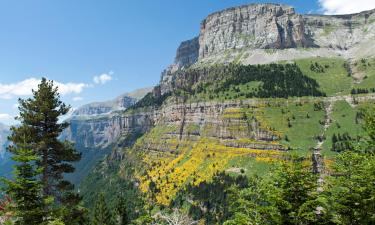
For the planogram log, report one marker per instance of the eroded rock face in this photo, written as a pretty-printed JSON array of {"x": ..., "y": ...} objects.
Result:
[
  {"x": 105, "y": 130},
  {"x": 187, "y": 53},
  {"x": 208, "y": 118},
  {"x": 274, "y": 26},
  {"x": 252, "y": 26},
  {"x": 265, "y": 33}
]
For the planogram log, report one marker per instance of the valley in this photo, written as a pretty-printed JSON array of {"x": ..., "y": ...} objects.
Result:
[{"x": 266, "y": 117}]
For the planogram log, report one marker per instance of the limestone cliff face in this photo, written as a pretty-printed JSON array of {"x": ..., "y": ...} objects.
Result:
[
  {"x": 252, "y": 26},
  {"x": 274, "y": 26},
  {"x": 209, "y": 119},
  {"x": 187, "y": 53},
  {"x": 265, "y": 33},
  {"x": 102, "y": 131}
]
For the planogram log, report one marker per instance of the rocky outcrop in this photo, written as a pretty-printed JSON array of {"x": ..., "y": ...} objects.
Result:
[
  {"x": 252, "y": 26},
  {"x": 265, "y": 33},
  {"x": 187, "y": 53},
  {"x": 275, "y": 26}
]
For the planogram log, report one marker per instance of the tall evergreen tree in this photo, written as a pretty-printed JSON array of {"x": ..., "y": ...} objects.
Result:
[
  {"x": 122, "y": 211},
  {"x": 25, "y": 190},
  {"x": 39, "y": 118},
  {"x": 101, "y": 213}
]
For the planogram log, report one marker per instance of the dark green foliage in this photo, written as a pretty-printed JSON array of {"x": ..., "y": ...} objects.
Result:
[
  {"x": 362, "y": 91},
  {"x": 342, "y": 142},
  {"x": 368, "y": 116},
  {"x": 122, "y": 210},
  {"x": 25, "y": 189},
  {"x": 286, "y": 138},
  {"x": 318, "y": 106},
  {"x": 277, "y": 80},
  {"x": 317, "y": 68},
  {"x": 348, "y": 69},
  {"x": 352, "y": 191},
  {"x": 150, "y": 99},
  {"x": 43, "y": 158},
  {"x": 284, "y": 198},
  {"x": 39, "y": 118},
  {"x": 210, "y": 199},
  {"x": 102, "y": 214},
  {"x": 112, "y": 184}
]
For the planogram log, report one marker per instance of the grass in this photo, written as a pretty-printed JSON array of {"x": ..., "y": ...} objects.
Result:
[
  {"x": 343, "y": 120},
  {"x": 334, "y": 80},
  {"x": 328, "y": 29},
  {"x": 249, "y": 165},
  {"x": 304, "y": 123},
  {"x": 367, "y": 66}
]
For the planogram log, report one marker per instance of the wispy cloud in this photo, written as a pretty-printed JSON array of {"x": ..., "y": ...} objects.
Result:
[
  {"x": 345, "y": 6},
  {"x": 24, "y": 88},
  {"x": 77, "y": 99},
  {"x": 6, "y": 118},
  {"x": 103, "y": 78}
]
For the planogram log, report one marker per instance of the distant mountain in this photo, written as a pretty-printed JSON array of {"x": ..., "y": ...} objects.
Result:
[
  {"x": 4, "y": 132},
  {"x": 89, "y": 141},
  {"x": 120, "y": 103},
  {"x": 5, "y": 161}
]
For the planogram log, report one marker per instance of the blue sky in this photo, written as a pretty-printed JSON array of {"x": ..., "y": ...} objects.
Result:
[{"x": 125, "y": 44}]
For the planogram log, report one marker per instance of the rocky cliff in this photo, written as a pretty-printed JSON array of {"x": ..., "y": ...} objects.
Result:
[
  {"x": 265, "y": 33},
  {"x": 214, "y": 119},
  {"x": 274, "y": 26},
  {"x": 252, "y": 26}
]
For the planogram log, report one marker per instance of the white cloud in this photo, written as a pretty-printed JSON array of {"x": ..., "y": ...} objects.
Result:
[
  {"x": 4, "y": 116},
  {"x": 346, "y": 6},
  {"x": 23, "y": 88},
  {"x": 103, "y": 78},
  {"x": 6, "y": 119},
  {"x": 77, "y": 99}
]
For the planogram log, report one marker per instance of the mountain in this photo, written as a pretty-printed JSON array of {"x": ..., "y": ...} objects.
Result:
[
  {"x": 4, "y": 132},
  {"x": 82, "y": 120},
  {"x": 5, "y": 161},
  {"x": 122, "y": 102},
  {"x": 260, "y": 81}
]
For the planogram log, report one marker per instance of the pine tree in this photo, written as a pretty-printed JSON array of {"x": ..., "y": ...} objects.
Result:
[
  {"x": 39, "y": 117},
  {"x": 121, "y": 210},
  {"x": 25, "y": 190},
  {"x": 101, "y": 213}
]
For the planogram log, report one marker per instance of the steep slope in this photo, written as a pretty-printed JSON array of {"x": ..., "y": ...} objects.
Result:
[{"x": 214, "y": 110}]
